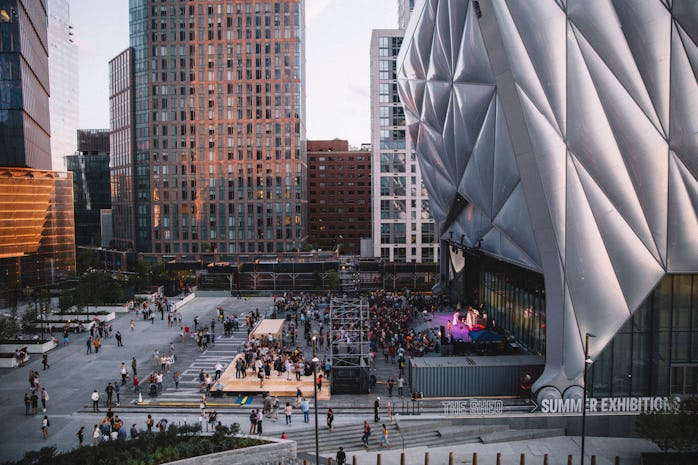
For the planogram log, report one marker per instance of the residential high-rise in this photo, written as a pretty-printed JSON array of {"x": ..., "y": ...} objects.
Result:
[
  {"x": 403, "y": 225},
  {"x": 91, "y": 193},
  {"x": 339, "y": 196},
  {"x": 24, "y": 85},
  {"x": 219, "y": 165},
  {"x": 64, "y": 101}
]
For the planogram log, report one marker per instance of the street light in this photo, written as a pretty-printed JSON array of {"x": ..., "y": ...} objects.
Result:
[
  {"x": 315, "y": 362},
  {"x": 587, "y": 362}
]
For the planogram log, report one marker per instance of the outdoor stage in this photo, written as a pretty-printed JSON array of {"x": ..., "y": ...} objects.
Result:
[{"x": 275, "y": 385}]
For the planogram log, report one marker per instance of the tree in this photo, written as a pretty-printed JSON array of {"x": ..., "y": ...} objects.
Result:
[{"x": 97, "y": 288}]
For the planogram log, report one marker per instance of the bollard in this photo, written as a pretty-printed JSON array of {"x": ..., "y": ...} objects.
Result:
[
  {"x": 426, "y": 458},
  {"x": 354, "y": 460},
  {"x": 305, "y": 462},
  {"x": 593, "y": 460},
  {"x": 569, "y": 460},
  {"x": 499, "y": 458},
  {"x": 616, "y": 461},
  {"x": 474, "y": 458},
  {"x": 402, "y": 458},
  {"x": 379, "y": 459},
  {"x": 545, "y": 459},
  {"x": 329, "y": 460},
  {"x": 451, "y": 460},
  {"x": 522, "y": 461}
]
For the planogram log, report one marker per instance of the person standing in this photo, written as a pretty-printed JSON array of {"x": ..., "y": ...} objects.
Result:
[
  {"x": 134, "y": 428},
  {"x": 44, "y": 398},
  {"x": 35, "y": 402},
  {"x": 118, "y": 339},
  {"x": 117, "y": 391},
  {"x": 341, "y": 456},
  {"x": 253, "y": 421},
  {"x": 133, "y": 365},
  {"x": 96, "y": 435},
  {"x": 109, "y": 390},
  {"x": 124, "y": 373},
  {"x": 305, "y": 408},
  {"x": 390, "y": 383},
  {"x": 149, "y": 422},
  {"x": 27, "y": 404},
  {"x": 95, "y": 401},
  {"x": 44, "y": 361},
  {"x": 376, "y": 407},
  {"x": 260, "y": 418},
  {"x": 175, "y": 378},
  {"x": 44, "y": 427},
  {"x": 96, "y": 342},
  {"x": 330, "y": 419},
  {"x": 288, "y": 411},
  {"x": 400, "y": 385},
  {"x": 88, "y": 343},
  {"x": 81, "y": 435}
]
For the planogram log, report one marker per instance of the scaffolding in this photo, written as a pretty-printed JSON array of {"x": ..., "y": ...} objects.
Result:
[{"x": 349, "y": 322}]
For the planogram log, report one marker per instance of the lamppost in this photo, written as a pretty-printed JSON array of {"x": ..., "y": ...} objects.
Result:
[
  {"x": 315, "y": 362},
  {"x": 587, "y": 362}
]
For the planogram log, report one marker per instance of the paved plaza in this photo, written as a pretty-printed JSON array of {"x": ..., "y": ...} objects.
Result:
[{"x": 73, "y": 376}]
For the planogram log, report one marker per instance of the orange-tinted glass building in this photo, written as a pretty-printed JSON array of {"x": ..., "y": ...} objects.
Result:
[
  {"x": 218, "y": 164},
  {"x": 37, "y": 235},
  {"x": 339, "y": 195}
]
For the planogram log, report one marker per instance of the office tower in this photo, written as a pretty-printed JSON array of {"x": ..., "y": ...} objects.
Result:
[
  {"x": 403, "y": 226},
  {"x": 64, "y": 103},
  {"x": 339, "y": 196},
  {"x": 91, "y": 192},
  {"x": 219, "y": 167},
  {"x": 122, "y": 148},
  {"x": 24, "y": 85},
  {"x": 563, "y": 163}
]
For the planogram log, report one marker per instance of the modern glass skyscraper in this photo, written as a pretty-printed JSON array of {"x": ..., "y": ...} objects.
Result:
[
  {"x": 24, "y": 85},
  {"x": 219, "y": 111},
  {"x": 403, "y": 225},
  {"x": 64, "y": 101}
]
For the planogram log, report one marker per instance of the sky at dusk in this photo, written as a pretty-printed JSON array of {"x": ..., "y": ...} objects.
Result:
[{"x": 338, "y": 35}]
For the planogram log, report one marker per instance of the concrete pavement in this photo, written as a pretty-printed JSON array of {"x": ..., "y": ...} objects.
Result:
[{"x": 73, "y": 375}]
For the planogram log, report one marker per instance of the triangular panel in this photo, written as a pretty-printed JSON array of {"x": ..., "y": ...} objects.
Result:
[
  {"x": 683, "y": 218},
  {"x": 472, "y": 64}
]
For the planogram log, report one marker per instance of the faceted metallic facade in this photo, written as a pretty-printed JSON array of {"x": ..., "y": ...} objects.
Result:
[{"x": 560, "y": 135}]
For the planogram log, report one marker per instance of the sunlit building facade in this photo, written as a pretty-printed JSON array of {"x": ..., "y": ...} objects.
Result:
[{"x": 219, "y": 164}]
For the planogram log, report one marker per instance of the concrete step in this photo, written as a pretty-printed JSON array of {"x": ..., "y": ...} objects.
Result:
[{"x": 466, "y": 431}]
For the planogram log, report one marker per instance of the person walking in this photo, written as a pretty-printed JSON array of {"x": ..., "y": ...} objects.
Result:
[
  {"x": 118, "y": 339},
  {"x": 376, "y": 407},
  {"x": 96, "y": 435},
  {"x": 45, "y": 423},
  {"x": 390, "y": 383},
  {"x": 96, "y": 342},
  {"x": 341, "y": 456},
  {"x": 400, "y": 385},
  {"x": 81, "y": 435},
  {"x": 95, "y": 401},
  {"x": 44, "y": 361},
  {"x": 44, "y": 398},
  {"x": 123, "y": 372},
  {"x": 88, "y": 343},
  {"x": 133, "y": 365},
  {"x": 288, "y": 411},
  {"x": 176, "y": 377},
  {"x": 366, "y": 434},
  {"x": 117, "y": 391},
  {"x": 330, "y": 419},
  {"x": 384, "y": 437}
]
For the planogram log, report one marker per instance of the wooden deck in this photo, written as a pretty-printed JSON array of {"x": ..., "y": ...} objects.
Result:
[{"x": 275, "y": 385}]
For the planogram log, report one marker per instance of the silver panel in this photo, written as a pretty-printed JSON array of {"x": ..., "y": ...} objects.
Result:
[{"x": 579, "y": 160}]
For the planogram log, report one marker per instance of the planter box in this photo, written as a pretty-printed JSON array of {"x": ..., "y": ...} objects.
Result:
[
  {"x": 58, "y": 325},
  {"x": 32, "y": 347},
  {"x": 277, "y": 451},
  {"x": 116, "y": 308},
  {"x": 11, "y": 361},
  {"x": 79, "y": 316},
  {"x": 181, "y": 303}
]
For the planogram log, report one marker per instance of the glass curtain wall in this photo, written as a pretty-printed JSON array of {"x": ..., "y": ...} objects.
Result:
[{"x": 656, "y": 351}]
